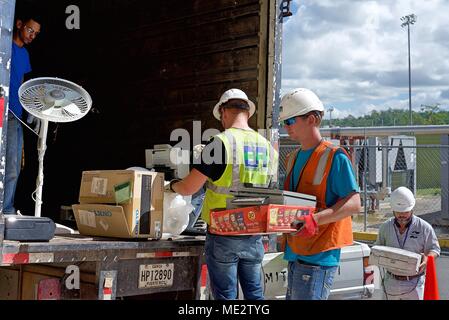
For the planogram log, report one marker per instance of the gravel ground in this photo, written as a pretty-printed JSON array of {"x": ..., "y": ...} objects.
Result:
[{"x": 427, "y": 208}]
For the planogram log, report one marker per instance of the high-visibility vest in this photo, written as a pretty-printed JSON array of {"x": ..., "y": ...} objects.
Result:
[
  {"x": 250, "y": 159},
  {"x": 313, "y": 181}
]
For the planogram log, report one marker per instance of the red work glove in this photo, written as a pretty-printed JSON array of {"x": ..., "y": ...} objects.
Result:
[{"x": 306, "y": 226}]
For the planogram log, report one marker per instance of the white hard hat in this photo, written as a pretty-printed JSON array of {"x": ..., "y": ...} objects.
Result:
[
  {"x": 402, "y": 200},
  {"x": 298, "y": 103},
  {"x": 230, "y": 95}
]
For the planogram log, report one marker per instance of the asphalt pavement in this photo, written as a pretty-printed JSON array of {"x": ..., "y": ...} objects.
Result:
[{"x": 442, "y": 277}]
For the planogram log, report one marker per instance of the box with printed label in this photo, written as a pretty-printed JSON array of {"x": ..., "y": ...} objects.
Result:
[
  {"x": 118, "y": 186},
  {"x": 124, "y": 221},
  {"x": 131, "y": 204},
  {"x": 257, "y": 220}
]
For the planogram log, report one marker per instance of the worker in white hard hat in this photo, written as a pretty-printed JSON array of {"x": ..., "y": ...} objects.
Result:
[
  {"x": 317, "y": 168},
  {"x": 241, "y": 157},
  {"x": 408, "y": 232}
]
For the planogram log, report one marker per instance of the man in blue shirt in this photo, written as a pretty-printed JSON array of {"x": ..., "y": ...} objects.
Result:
[
  {"x": 26, "y": 30},
  {"x": 318, "y": 168}
]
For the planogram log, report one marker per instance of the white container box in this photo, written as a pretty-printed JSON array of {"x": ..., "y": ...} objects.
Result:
[{"x": 398, "y": 261}]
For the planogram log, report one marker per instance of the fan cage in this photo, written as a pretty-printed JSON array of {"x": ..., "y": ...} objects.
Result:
[{"x": 76, "y": 104}]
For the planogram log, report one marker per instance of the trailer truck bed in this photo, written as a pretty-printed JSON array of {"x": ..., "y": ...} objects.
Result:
[{"x": 103, "y": 268}]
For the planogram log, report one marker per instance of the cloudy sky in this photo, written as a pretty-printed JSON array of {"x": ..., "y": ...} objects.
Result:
[{"x": 354, "y": 55}]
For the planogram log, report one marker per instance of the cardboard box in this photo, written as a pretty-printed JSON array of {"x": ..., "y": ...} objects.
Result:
[
  {"x": 119, "y": 186},
  {"x": 123, "y": 204},
  {"x": 104, "y": 220},
  {"x": 398, "y": 261},
  {"x": 257, "y": 220}
]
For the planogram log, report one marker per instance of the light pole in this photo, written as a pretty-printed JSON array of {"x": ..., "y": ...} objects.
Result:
[
  {"x": 331, "y": 109},
  {"x": 406, "y": 22}
]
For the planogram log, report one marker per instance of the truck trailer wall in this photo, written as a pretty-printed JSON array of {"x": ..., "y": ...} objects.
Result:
[
  {"x": 150, "y": 67},
  {"x": 6, "y": 28}
]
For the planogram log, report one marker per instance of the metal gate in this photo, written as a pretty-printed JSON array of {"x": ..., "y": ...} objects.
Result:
[{"x": 380, "y": 168}]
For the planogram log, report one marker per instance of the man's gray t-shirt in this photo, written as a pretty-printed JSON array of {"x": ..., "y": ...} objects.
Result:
[{"x": 420, "y": 237}]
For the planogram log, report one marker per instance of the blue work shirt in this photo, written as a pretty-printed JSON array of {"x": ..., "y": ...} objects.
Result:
[
  {"x": 341, "y": 182},
  {"x": 20, "y": 65}
]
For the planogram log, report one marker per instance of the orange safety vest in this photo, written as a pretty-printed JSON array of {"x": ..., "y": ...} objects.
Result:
[{"x": 313, "y": 181}]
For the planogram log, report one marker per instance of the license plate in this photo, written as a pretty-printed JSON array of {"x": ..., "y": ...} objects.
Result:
[{"x": 156, "y": 276}]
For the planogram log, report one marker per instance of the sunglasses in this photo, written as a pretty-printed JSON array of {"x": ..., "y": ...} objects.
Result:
[{"x": 289, "y": 122}]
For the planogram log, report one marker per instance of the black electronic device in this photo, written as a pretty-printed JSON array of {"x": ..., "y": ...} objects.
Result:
[
  {"x": 25, "y": 228},
  {"x": 247, "y": 197}
]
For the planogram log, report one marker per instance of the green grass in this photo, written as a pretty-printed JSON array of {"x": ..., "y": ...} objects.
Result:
[
  {"x": 428, "y": 139},
  {"x": 428, "y": 163},
  {"x": 428, "y": 192}
]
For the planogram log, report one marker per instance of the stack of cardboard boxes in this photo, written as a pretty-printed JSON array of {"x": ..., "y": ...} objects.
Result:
[{"x": 122, "y": 204}]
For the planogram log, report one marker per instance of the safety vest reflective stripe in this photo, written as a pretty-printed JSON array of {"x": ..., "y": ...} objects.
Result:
[
  {"x": 320, "y": 169},
  {"x": 291, "y": 159},
  {"x": 235, "y": 164},
  {"x": 273, "y": 172},
  {"x": 319, "y": 173}
]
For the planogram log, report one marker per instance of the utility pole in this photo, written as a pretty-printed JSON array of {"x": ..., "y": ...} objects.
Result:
[
  {"x": 331, "y": 109},
  {"x": 406, "y": 22}
]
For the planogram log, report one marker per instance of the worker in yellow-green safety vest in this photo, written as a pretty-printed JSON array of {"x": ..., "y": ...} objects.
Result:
[{"x": 235, "y": 158}]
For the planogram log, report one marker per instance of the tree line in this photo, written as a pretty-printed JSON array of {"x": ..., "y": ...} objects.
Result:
[{"x": 429, "y": 115}]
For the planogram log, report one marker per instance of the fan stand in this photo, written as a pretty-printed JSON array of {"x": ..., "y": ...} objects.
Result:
[
  {"x": 41, "y": 149},
  {"x": 56, "y": 100}
]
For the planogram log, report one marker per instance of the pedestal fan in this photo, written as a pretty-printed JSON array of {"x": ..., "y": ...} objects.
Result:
[{"x": 56, "y": 100}]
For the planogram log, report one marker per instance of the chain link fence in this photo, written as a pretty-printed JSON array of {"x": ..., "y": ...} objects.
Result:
[{"x": 381, "y": 166}]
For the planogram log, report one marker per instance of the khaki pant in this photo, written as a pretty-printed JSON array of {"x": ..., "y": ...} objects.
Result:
[{"x": 412, "y": 289}]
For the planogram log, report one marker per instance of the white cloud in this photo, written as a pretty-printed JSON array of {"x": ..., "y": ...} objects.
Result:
[{"x": 353, "y": 54}]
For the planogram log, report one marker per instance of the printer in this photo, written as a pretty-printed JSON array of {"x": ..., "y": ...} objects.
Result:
[
  {"x": 254, "y": 196},
  {"x": 173, "y": 162}
]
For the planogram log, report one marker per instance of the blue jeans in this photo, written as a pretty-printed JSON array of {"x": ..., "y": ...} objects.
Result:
[
  {"x": 307, "y": 282},
  {"x": 14, "y": 144},
  {"x": 233, "y": 259}
]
